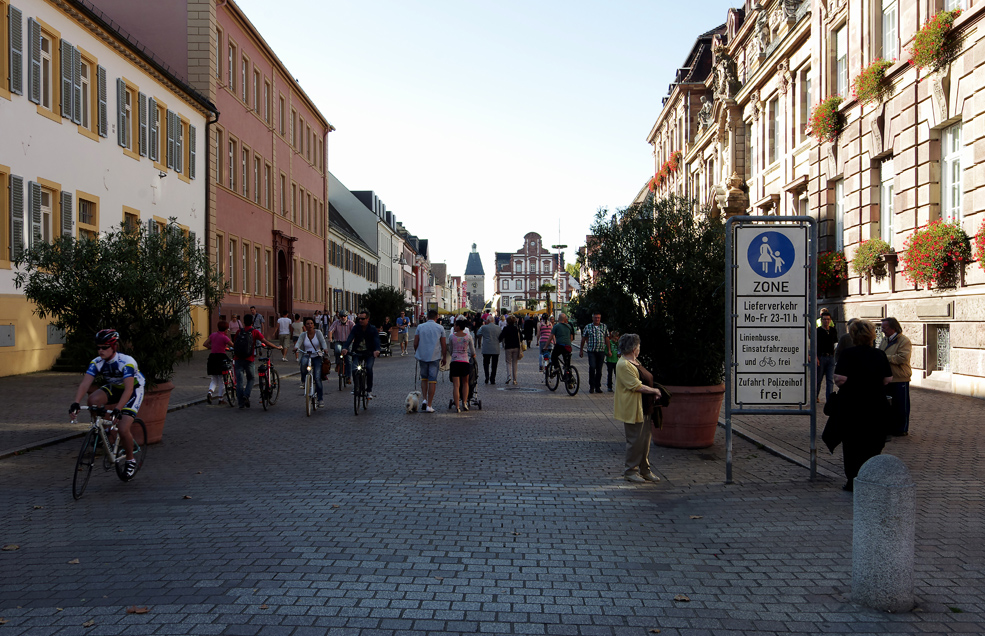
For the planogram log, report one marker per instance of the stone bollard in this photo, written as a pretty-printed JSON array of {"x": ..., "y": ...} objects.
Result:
[{"x": 882, "y": 543}]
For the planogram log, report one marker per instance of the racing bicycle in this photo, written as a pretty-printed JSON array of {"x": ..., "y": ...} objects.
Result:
[{"x": 97, "y": 440}]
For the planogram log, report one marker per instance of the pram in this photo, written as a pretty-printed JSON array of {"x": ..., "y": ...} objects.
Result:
[
  {"x": 385, "y": 344},
  {"x": 473, "y": 386}
]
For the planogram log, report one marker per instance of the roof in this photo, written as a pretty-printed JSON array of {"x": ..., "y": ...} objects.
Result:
[
  {"x": 502, "y": 260},
  {"x": 338, "y": 224},
  {"x": 474, "y": 266},
  {"x": 440, "y": 271}
]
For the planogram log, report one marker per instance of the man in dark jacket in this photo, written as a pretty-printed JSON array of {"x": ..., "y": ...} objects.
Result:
[{"x": 364, "y": 342}]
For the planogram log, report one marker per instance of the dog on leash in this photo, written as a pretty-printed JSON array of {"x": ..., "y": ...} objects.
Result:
[{"x": 413, "y": 401}]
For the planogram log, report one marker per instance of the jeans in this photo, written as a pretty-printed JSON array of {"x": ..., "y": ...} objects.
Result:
[
  {"x": 367, "y": 361},
  {"x": 244, "y": 387},
  {"x": 826, "y": 372},
  {"x": 316, "y": 362},
  {"x": 486, "y": 359},
  {"x": 900, "y": 392},
  {"x": 596, "y": 359},
  {"x": 611, "y": 368},
  {"x": 346, "y": 362}
]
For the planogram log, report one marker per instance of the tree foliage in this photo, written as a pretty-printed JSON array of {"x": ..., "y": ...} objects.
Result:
[
  {"x": 382, "y": 302},
  {"x": 661, "y": 272},
  {"x": 141, "y": 283}
]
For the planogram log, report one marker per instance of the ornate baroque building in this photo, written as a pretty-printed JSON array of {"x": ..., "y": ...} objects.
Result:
[
  {"x": 738, "y": 113},
  {"x": 520, "y": 274}
]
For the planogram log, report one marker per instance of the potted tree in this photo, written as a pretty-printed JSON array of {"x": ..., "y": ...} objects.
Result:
[
  {"x": 142, "y": 281},
  {"x": 662, "y": 268}
]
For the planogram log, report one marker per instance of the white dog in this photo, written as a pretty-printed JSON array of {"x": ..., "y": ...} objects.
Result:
[{"x": 413, "y": 401}]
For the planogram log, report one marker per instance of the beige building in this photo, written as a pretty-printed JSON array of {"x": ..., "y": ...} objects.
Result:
[{"x": 738, "y": 113}]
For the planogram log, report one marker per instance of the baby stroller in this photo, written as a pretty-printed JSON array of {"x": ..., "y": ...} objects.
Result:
[
  {"x": 473, "y": 387},
  {"x": 385, "y": 344}
]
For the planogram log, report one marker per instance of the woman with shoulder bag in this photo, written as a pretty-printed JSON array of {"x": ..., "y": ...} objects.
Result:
[{"x": 633, "y": 385}]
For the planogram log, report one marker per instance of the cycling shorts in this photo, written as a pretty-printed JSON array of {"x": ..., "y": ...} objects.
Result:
[{"x": 132, "y": 405}]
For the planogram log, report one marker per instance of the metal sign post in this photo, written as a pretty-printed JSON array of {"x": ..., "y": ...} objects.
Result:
[{"x": 771, "y": 286}]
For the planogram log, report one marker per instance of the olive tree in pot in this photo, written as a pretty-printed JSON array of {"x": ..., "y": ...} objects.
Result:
[
  {"x": 142, "y": 281},
  {"x": 668, "y": 264}
]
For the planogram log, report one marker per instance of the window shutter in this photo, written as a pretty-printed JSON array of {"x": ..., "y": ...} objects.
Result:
[
  {"x": 14, "y": 17},
  {"x": 151, "y": 226},
  {"x": 121, "y": 120},
  {"x": 155, "y": 134},
  {"x": 16, "y": 217},
  {"x": 142, "y": 101},
  {"x": 66, "y": 214},
  {"x": 179, "y": 144},
  {"x": 191, "y": 151},
  {"x": 34, "y": 50},
  {"x": 102, "y": 101},
  {"x": 76, "y": 86},
  {"x": 65, "y": 48},
  {"x": 191, "y": 236},
  {"x": 170, "y": 151},
  {"x": 34, "y": 206}
]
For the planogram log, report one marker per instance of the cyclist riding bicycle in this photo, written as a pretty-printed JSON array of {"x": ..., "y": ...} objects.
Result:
[
  {"x": 338, "y": 333},
  {"x": 310, "y": 346},
  {"x": 124, "y": 385},
  {"x": 561, "y": 337},
  {"x": 364, "y": 342}
]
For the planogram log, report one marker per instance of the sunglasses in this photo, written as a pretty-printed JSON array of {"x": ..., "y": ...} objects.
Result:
[
  {"x": 363, "y": 317},
  {"x": 103, "y": 347}
]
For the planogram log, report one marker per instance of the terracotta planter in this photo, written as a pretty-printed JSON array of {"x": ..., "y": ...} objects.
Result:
[
  {"x": 153, "y": 410},
  {"x": 692, "y": 417}
]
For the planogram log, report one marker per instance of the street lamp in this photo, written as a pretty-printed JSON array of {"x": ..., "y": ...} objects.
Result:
[{"x": 557, "y": 273}]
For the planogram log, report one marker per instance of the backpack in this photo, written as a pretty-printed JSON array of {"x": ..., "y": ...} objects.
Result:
[{"x": 243, "y": 346}]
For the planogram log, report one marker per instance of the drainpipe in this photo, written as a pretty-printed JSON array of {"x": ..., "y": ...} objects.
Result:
[{"x": 208, "y": 184}]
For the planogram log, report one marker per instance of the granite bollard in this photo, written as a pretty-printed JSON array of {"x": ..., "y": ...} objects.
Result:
[{"x": 883, "y": 531}]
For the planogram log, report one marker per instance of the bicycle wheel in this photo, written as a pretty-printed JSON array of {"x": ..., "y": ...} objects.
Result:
[
  {"x": 309, "y": 402},
  {"x": 553, "y": 375},
  {"x": 264, "y": 391},
  {"x": 273, "y": 381},
  {"x": 230, "y": 389},
  {"x": 83, "y": 466},
  {"x": 357, "y": 384},
  {"x": 341, "y": 373},
  {"x": 572, "y": 382},
  {"x": 139, "y": 431}
]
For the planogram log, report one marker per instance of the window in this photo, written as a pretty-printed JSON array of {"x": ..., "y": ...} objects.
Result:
[
  {"x": 805, "y": 102},
  {"x": 218, "y": 47},
  {"x": 519, "y": 285},
  {"x": 294, "y": 202},
  {"x": 307, "y": 134},
  {"x": 85, "y": 78},
  {"x": 840, "y": 214},
  {"x": 131, "y": 221},
  {"x": 256, "y": 89},
  {"x": 506, "y": 284},
  {"x": 256, "y": 179},
  {"x": 841, "y": 61},
  {"x": 266, "y": 101},
  {"x": 267, "y": 272},
  {"x": 294, "y": 134},
  {"x": 890, "y": 41},
  {"x": 47, "y": 214},
  {"x": 220, "y": 255},
  {"x": 87, "y": 220},
  {"x": 244, "y": 64},
  {"x": 775, "y": 132},
  {"x": 283, "y": 194},
  {"x": 304, "y": 209},
  {"x": 951, "y": 5},
  {"x": 126, "y": 116},
  {"x": 219, "y": 158},
  {"x": 245, "y": 168},
  {"x": 232, "y": 264},
  {"x": 232, "y": 165},
  {"x": 256, "y": 270},
  {"x": 886, "y": 175},
  {"x": 951, "y": 173},
  {"x": 268, "y": 195},
  {"x": 231, "y": 66},
  {"x": 518, "y": 267},
  {"x": 47, "y": 84},
  {"x": 281, "y": 117},
  {"x": 245, "y": 256}
]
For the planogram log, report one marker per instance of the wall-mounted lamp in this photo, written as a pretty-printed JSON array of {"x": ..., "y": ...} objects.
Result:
[{"x": 162, "y": 174}]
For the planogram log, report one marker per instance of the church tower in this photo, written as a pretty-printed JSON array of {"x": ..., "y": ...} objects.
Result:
[{"x": 475, "y": 281}]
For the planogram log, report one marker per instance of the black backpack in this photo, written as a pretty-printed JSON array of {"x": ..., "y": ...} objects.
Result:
[{"x": 243, "y": 346}]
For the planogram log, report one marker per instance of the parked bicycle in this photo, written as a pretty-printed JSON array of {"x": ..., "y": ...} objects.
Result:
[
  {"x": 562, "y": 371},
  {"x": 98, "y": 439},
  {"x": 269, "y": 381}
]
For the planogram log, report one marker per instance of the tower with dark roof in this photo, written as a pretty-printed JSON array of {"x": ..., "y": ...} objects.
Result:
[{"x": 475, "y": 281}]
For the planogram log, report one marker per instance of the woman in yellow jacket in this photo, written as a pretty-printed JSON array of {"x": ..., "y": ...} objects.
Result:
[{"x": 628, "y": 409}]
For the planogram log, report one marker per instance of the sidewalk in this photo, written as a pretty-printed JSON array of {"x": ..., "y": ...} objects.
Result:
[{"x": 37, "y": 414}]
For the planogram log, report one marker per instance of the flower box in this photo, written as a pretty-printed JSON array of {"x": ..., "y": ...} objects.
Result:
[{"x": 933, "y": 255}]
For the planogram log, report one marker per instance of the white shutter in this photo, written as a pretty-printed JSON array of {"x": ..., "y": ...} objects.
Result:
[
  {"x": 66, "y": 214},
  {"x": 76, "y": 86},
  {"x": 170, "y": 150},
  {"x": 15, "y": 17},
  {"x": 102, "y": 102},
  {"x": 16, "y": 217},
  {"x": 142, "y": 101},
  {"x": 155, "y": 134},
  {"x": 121, "y": 120},
  {"x": 34, "y": 208},
  {"x": 191, "y": 151},
  {"x": 65, "y": 49},
  {"x": 34, "y": 52},
  {"x": 179, "y": 144}
]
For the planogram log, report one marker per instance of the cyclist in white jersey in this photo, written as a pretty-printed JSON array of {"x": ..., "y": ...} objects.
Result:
[{"x": 124, "y": 386}]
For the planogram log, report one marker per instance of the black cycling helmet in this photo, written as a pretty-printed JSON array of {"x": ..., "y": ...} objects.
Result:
[{"x": 107, "y": 337}]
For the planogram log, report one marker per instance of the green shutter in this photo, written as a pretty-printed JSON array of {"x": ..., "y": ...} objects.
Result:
[
  {"x": 142, "y": 101},
  {"x": 65, "y": 48},
  {"x": 16, "y": 217},
  {"x": 191, "y": 151},
  {"x": 15, "y": 17},
  {"x": 102, "y": 101},
  {"x": 34, "y": 51},
  {"x": 66, "y": 214}
]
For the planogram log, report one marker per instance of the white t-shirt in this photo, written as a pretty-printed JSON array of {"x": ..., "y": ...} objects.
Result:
[{"x": 284, "y": 326}]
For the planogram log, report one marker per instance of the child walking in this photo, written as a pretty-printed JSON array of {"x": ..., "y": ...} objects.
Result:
[
  {"x": 218, "y": 341},
  {"x": 611, "y": 357}
]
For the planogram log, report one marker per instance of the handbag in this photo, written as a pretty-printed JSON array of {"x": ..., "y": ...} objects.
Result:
[{"x": 523, "y": 347}]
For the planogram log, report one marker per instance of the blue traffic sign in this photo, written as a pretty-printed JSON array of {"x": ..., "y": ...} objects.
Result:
[{"x": 771, "y": 254}]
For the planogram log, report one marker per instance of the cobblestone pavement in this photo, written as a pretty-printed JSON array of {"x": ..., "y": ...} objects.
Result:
[{"x": 509, "y": 520}]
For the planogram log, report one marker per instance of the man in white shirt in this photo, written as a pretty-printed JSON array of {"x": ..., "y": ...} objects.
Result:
[
  {"x": 284, "y": 332},
  {"x": 429, "y": 349}
]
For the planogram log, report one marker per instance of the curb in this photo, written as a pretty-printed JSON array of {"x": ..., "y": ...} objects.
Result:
[{"x": 62, "y": 438}]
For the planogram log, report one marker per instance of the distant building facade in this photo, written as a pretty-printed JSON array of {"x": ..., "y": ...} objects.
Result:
[
  {"x": 520, "y": 274},
  {"x": 475, "y": 281}
]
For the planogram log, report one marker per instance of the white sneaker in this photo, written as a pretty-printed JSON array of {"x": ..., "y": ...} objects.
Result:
[{"x": 428, "y": 409}]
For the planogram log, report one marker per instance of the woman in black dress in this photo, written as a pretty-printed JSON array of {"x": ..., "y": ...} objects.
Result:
[{"x": 861, "y": 374}]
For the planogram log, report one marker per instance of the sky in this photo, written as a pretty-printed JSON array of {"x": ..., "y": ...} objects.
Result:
[{"x": 477, "y": 122}]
